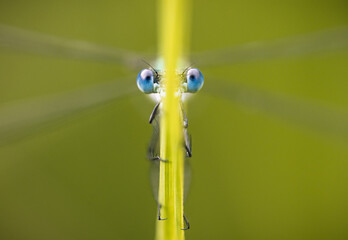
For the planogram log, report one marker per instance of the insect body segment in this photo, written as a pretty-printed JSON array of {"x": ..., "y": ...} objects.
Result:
[{"x": 150, "y": 81}]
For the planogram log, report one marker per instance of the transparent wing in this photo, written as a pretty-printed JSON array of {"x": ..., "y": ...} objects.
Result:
[
  {"x": 38, "y": 43},
  {"x": 154, "y": 150},
  {"x": 155, "y": 165},
  {"x": 187, "y": 178},
  {"x": 21, "y": 119},
  {"x": 154, "y": 178},
  {"x": 301, "y": 45},
  {"x": 315, "y": 116}
]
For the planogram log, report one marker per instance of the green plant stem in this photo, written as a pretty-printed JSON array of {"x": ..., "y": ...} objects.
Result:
[{"x": 171, "y": 180}]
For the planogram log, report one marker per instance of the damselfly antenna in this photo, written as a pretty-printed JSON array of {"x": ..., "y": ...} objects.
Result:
[
  {"x": 152, "y": 68},
  {"x": 186, "y": 69}
]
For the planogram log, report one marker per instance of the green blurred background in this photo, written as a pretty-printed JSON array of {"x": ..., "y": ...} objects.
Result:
[{"x": 255, "y": 175}]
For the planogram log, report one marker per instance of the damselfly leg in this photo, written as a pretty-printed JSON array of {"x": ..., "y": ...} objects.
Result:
[
  {"x": 186, "y": 223},
  {"x": 188, "y": 143},
  {"x": 159, "y": 213},
  {"x": 187, "y": 137},
  {"x": 153, "y": 153},
  {"x": 154, "y": 112}
]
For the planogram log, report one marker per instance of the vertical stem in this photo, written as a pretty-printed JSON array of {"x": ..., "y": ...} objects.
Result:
[{"x": 171, "y": 41}]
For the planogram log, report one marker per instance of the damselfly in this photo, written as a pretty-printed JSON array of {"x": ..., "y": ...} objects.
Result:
[{"x": 150, "y": 81}]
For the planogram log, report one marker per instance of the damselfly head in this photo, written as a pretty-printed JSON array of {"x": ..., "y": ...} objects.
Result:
[{"x": 150, "y": 81}]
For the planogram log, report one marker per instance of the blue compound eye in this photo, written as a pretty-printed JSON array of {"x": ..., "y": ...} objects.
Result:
[
  {"x": 194, "y": 79},
  {"x": 145, "y": 81}
]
